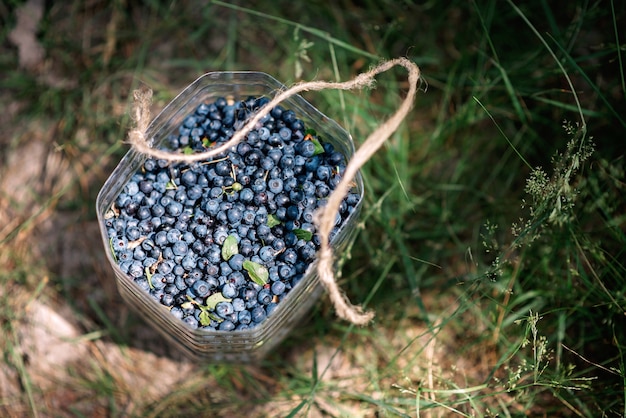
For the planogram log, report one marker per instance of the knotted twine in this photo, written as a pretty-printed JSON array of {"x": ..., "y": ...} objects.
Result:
[{"x": 326, "y": 215}]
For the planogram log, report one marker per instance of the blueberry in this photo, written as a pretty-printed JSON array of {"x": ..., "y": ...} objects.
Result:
[
  {"x": 278, "y": 288},
  {"x": 253, "y": 157},
  {"x": 267, "y": 253},
  {"x": 285, "y": 133},
  {"x": 189, "y": 262},
  {"x": 201, "y": 231},
  {"x": 307, "y": 226},
  {"x": 258, "y": 314},
  {"x": 278, "y": 245},
  {"x": 234, "y": 215},
  {"x": 281, "y": 214},
  {"x": 275, "y": 185},
  {"x": 323, "y": 172},
  {"x": 133, "y": 233},
  {"x": 148, "y": 262},
  {"x": 297, "y": 125},
  {"x": 306, "y": 148},
  {"x": 307, "y": 253},
  {"x": 146, "y": 186},
  {"x": 149, "y": 164},
  {"x": 165, "y": 266},
  {"x": 194, "y": 192},
  {"x": 263, "y": 231},
  {"x": 267, "y": 163},
  {"x": 297, "y": 195},
  {"x": 286, "y": 161},
  {"x": 289, "y": 150},
  {"x": 224, "y": 309},
  {"x": 167, "y": 299},
  {"x": 190, "y": 121},
  {"x": 264, "y": 296},
  {"x": 225, "y": 269},
  {"x": 158, "y": 281},
  {"x": 260, "y": 218},
  {"x": 131, "y": 188},
  {"x": 277, "y": 112},
  {"x": 285, "y": 271},
  {"x": 139, "y": 254},
  {"x": 288, "y": 116},
  {"x": 289, "y": 256},
  {"x": 264, "y": 133},
  {"x": 220, "y": 234},
  {"x": 244, "y": 317},
  {"x": 191, "y": 321},
  {"x": 212, "y": 206},
  {"x": 229, "y": 290},
  {"x": 201, "y": 288},
  {"x": 222, "y": 168},
  {"x": 131, "y": 207},
  {"x": 245, "y": 246},
  {"x": 243, "y": 148},
  {"x": 177, "y": 312},
  {"x": 202, "y": 109},
  {"x": 174, "y": 208},
  {"x": 246, "y": 195},
  {"x": 308, "y": 215},
  {"x": 173, "y": 235},
  {"x": 213, "y": 254},
  {"x": 125, "y": 265},
  {"x": 238, "y": 304},
  {"x": 335, "y": 158},
  {"x": 179, "y": 270},
  {"x": 248, "y": 217},
  {"x": 188, "y": 178},
  {"x": 179, "y": 282},
  {"x": 249, "y": 294},
  {"x": 226, "y": 325},
  {"x": 236, "y": 262},
  {"x": 260, "y": 198},
  {"x": 229, "y": 182},
  {"x": 213, "y": 282},
  {"x": 180, "y": 248},
  {"x": 292, "y": 212},
  {"x": 299, "y": 162},
  {"x": 202, "y": 263},
  {"x": 258, "y": 185},
  {"x": 136, "y": 269},
  {"x": 126, "y": 255}
]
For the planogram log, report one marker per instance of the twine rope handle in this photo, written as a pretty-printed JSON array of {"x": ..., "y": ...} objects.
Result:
[{"x": 325, "y": 216}]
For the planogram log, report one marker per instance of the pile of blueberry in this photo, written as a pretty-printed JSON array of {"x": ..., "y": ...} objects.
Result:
[{"x": 221, "y": 242}]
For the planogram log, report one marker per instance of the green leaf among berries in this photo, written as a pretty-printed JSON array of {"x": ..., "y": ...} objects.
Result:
[
  {"x": 229, "y": 248},
  {"x": 303, "y": 234},
  {"x": 258, "y": 273},
  {"x": 272, "y": 220}
]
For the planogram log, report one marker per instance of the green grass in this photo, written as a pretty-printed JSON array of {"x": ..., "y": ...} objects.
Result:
[{"x": 493, "y": 235}]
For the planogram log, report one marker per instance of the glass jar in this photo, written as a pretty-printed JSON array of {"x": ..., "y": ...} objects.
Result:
[{"x": 237, "y": 345}]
